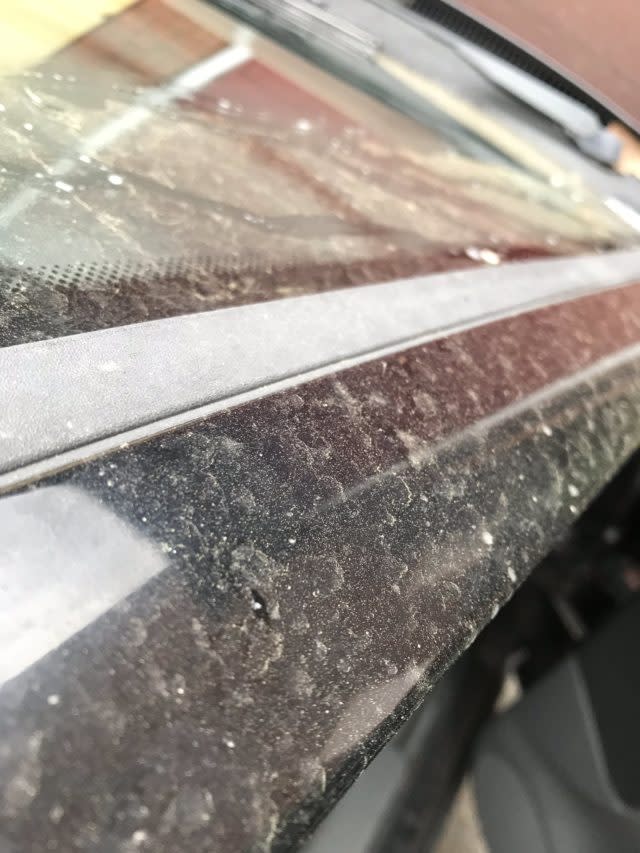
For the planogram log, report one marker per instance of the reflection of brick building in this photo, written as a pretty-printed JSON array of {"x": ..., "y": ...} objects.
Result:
[
  {"x": 405, "y": 188},
  {"x": 148, "y": 42},
  {"x": 273, "y": 179}
]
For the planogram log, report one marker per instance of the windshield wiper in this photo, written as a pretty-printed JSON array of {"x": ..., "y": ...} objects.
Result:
[
  {"x": 580, "y": 123},
  {"x": 590, "y": 120}
]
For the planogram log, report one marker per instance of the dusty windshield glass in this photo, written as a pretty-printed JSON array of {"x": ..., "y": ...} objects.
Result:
[{"x": 167, "y": 159}]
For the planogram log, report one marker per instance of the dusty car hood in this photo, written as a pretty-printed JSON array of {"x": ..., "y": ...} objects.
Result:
[{"x": 285, "y": 421}]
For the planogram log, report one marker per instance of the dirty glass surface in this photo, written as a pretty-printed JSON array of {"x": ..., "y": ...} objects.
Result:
[
  {"x": 171, "y": 160},
  {"x": 209, "y": 630}
]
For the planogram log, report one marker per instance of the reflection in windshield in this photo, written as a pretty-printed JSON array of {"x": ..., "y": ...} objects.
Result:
[{"x": 172, "y": 161}]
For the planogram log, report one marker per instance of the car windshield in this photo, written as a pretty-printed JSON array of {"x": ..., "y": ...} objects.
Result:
[{"x": 161, "y": 157}]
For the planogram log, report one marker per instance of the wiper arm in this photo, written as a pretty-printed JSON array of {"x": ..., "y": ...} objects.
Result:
[{"x": 579, "y": 122}]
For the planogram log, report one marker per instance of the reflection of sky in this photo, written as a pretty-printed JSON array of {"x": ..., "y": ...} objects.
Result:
[{"x": 65, "y": 559}]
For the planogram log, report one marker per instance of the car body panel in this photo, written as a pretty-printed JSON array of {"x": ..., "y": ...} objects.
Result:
[{"x": 222, "y": 599}]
